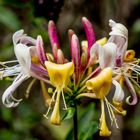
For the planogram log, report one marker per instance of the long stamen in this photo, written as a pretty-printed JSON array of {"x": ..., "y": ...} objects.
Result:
[
  {"x": 108, "y": 108},
  {"x": 111, "y": 113},
  {"x": 46, "y": 95},
  {"x": 64, "y": 101},
  {"x": 29, "y": 87},
  {"x": 7, "y": 62},
  {"x": 49, "y": 108},
  {"x": 122, "y": 113}
]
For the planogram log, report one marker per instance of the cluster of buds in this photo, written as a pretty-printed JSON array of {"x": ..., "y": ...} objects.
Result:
[{"x": 91, "y": 72}]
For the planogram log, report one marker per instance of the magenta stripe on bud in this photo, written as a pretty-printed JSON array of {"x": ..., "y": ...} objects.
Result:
[
  {"x": 40, "y": 49},
  {"x": 53, "y": 34},
  {"x": 89, "y": 33},
  {"x": 75, "y": 54}
]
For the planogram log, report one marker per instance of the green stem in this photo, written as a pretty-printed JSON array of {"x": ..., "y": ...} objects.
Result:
[{"x": 75, "y": 124}]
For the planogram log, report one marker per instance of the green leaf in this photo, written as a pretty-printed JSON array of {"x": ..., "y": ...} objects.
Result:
[
  {"x": 88, "y": 131},
  {"x": 69, "y": 114},
  {"x": 9, "y": 19},
  {"x": 88, "y": 127}
]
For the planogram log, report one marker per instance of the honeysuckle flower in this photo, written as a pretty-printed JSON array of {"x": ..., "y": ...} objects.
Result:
[
  {"x": 113, "y": 54},
  {"x": 100, "y": 87},
  {"x": 59, "y": 77},
  {"x": 29, "y": 59},
  {"x": 91, "y": 72}
]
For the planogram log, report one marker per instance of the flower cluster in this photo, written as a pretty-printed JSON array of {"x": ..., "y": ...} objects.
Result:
[{"x": 91, "y": 72}]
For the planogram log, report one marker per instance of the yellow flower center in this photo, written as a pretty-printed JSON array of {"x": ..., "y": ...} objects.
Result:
[{"x": 59, "y": 73}]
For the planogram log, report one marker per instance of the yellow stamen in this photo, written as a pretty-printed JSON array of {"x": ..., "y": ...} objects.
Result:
[{"x": 29, "y": 88}]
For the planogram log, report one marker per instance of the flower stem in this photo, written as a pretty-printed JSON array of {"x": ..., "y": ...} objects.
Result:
[{"x": 75, "y": 124}]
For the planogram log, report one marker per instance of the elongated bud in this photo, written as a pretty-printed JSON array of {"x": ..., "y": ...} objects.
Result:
[
  {"x": 53, "y": 38},
  {"x": 70, "y": 33},
  {"x": 55, "y": 117},
  {"x": 89, "y": 33},
  {"x": 54, "y": 50},
  {"x": 40, "y": 49},
  {"x": 53, "y": 34},
  {"x": 60, "y": 57},
  {"x": 84, "y": 59},
  {"x": 50, "y": 57},
  {"x": 84, "y": 45},
  {"x": 75, "y": 54}
]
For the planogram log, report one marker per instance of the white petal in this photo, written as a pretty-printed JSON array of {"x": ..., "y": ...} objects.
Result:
[
  {"x": 23, "y": 38},
  {"x": 119, "y": 94},
  {"x": 17, "y": 35},
  {"x": 94, "y": 51},
  {"x": 107, "y": 55},
  {"x": 11, "y": 71},
  {"x": 23, "y": 55},
  {"x": 7, "y": 98},
  {"x": 118, "y": 29}
]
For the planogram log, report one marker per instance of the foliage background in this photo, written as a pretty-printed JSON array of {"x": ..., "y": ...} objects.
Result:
[{"x": 26, "y": 121}]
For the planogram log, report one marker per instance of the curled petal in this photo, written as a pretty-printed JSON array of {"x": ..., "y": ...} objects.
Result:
[
  {"x": 17, "y": 35},
  {"x": 7, "y": 97},
  {"x": 89, "y": 33},
  {"x": 119, "y": 94},
  {"x": 118, "y": 29},
  {"x": 119, "y": 36},
  {"x": 132, "y": 91},
  {"x": 40, "y": 49},
  {"x": 27, "y": 40},
  {"x": 107, "y": 55}
]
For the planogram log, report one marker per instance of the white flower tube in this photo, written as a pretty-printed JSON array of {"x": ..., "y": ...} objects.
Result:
[
  {"x": 119, "y": 94},
  {"x": 107, "y": 55}
]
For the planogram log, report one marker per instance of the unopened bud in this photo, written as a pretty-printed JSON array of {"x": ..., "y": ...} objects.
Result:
[
  {"x": 50, "y": 57},
  {"x": 84, "y": 59},
  {"x": 60, "y": 57}
]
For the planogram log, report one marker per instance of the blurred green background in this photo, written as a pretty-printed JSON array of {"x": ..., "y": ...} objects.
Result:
[{"x": 26, "y": 122}]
